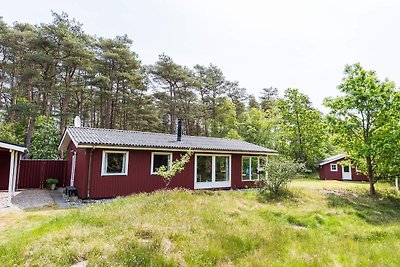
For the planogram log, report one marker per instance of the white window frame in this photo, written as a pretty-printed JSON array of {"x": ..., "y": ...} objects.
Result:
[
  {"x": 213, "y": 183},
  {"x": 258, "y": 167},
  {"x": 357, "y": 170},
  {"x": 104, "y": 163},
  {"x": 336, "y": 167},
  {"x": 160, "y": 153}
]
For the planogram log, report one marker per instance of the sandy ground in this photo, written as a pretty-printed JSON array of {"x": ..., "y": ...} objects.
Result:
[{"x": 29, "y": 198}]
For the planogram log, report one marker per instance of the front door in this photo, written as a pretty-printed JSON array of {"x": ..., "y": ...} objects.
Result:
[{"x": 346, "y": 173}]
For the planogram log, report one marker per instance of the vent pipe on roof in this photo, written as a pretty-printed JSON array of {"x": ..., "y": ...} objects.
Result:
[
  {"x": 179, "y": 136},
  {"x": 77, "y": 121}
]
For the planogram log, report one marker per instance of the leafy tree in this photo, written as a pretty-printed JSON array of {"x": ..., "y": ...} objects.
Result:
[
  {"x": 257, "y": 127},
  {"x": 176, "y": 167},
  {"x": 305, "y": 133},
  {"x": 225, "y": 121},
  {"x": 366, "y": 121},
  {"x": 280, "y": 172},
  {"x": 7, "y": 133},
  {"x": 45, "y": 139}
]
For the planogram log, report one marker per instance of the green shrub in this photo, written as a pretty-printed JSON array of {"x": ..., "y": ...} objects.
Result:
[
  {"x": 280, "y": 172},
  {"x": 52, "y": 181}
]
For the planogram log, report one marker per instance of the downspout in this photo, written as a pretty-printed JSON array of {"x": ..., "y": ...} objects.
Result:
[{"x": 90, "y": 171}]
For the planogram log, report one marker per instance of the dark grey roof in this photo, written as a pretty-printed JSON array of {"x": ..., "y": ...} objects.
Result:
[
  {"x": 112, "y": 137},
  {"x": 332, "y": 159}
]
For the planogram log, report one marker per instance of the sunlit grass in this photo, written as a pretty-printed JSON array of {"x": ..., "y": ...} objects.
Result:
[{"x": 320, "y": 223}]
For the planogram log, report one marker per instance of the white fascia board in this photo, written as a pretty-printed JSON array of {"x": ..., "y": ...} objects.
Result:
[
  {"x": 177, "y": 149},
  {"x": 13, "y": 147},
  {"x": 66, "y": 138}
]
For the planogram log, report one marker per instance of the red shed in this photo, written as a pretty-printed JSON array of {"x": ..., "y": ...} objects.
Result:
[
  {"x": 332, "y": 169},
  {"x": 104, "y": 163},
  {"x": 10, "y": 156}
]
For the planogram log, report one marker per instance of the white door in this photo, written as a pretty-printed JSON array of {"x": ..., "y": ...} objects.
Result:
[
  {"x": 346, "y": 172},
  {"x": 72, "y": 181}
]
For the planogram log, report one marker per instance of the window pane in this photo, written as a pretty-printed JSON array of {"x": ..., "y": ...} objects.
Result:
[
  {"x": 262, "y": 167},
  {"x": 221, "y": 169},
  {"x": 204, "y": 169},
  {"x": 160, "y": 160},
  {"x": 115, "y": 162},
  {"x": 346, "y": 169},
  {"x": 254, "y": 166},
  {"x": 246, "y": 168}
]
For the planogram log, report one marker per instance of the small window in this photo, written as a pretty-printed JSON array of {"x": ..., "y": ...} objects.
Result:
[
  {"x": 114, "y": 163},
  {"x": 159, "y": 159},
  {"x": 333, "y": 167}
]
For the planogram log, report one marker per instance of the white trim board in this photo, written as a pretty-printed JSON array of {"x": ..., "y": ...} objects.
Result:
[
  {"x": 103, "y": 173},
  {"x": 64, "y": 147},
  {"x": 12, "y": 147},
  {"x": 177, "y": 150},
  {"x": 213, "y": 184},
  {"x": 160, "y": 153}
]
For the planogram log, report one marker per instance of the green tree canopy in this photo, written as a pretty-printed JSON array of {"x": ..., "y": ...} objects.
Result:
[
  {"x": 45, "y": 139},
  {"x": 304, "y": 130},
  {"x": 366, "y": 121}
]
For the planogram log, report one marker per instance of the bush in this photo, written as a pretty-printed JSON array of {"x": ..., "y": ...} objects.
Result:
[
  {"x": 280, "y": 172},
  {"x": 52, "y": 181}
]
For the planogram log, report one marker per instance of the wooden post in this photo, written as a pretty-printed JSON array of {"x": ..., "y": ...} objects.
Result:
[
  {"x": 15, "y": 172},
  {"x": 10, "y": 179},
  {"x": 396, "y": 181}
]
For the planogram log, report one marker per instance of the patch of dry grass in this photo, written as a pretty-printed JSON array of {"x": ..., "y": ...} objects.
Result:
[{"x": 224, "y": 228}]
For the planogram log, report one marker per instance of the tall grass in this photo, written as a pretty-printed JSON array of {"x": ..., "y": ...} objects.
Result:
[{"x": 319, "y": 224}]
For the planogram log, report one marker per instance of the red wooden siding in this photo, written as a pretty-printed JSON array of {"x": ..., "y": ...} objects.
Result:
[
  {"x": 4, "y": 169},
  {"x": 325, "y": 173},
  {"x": 33, "y": 173},
  {"x": 139, "y": 178},
  {"x": 237, "y": 172},
  {"x": 356, "y": 176}
]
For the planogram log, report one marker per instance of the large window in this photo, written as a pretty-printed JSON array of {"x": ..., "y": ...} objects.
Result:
[
  {"x": 159, "y": 159},
  {"x": 114, "y": 163},
  {"x": 212, "y": 171},
  {"x": 253, "y": 168}
]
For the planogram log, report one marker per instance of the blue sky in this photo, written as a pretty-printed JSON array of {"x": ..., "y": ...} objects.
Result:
[{"x": 300, "y": 44}]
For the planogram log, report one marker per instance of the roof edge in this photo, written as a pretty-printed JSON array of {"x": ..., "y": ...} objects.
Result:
[
  {"x": 13, "y": 147},
  {"x": 175, "y": 149},
  {"x": 339, "y": 157}
]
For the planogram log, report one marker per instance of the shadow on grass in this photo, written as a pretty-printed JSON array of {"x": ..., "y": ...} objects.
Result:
[{"x": 383, "y": 208}]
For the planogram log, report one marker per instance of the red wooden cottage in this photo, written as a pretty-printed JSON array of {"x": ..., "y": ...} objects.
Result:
[
  {"x": 10, "y": 156},
  {"x": 104, "y": 163},
  {"x": 331, "y": 169}
]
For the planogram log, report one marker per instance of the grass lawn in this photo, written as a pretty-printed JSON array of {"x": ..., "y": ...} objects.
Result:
[{"x": 323, "y": 223}]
